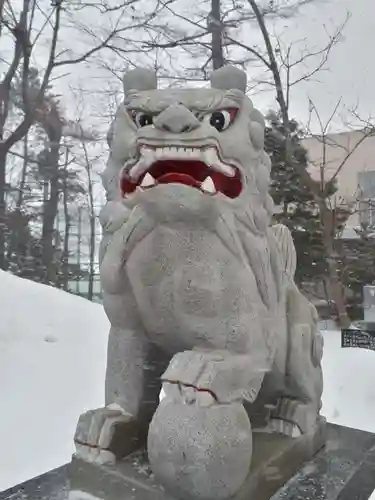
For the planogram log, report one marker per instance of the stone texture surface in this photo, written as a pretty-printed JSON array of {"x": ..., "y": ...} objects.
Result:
[{"x": 343, "y": 470}]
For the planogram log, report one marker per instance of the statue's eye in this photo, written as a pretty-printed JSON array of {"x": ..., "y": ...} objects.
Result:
[
  {"x": 142, "y": 119},
  {"x": 221, "y": 119}
]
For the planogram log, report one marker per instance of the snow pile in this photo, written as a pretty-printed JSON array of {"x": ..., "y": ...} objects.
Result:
[
  {"x": 349, "y": 389},
  {"x": 52, "y": 365}
]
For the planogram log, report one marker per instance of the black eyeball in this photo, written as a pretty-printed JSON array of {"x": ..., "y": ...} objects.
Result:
[
  {"x": 221, "y": 119},
  {"x": 142, "y": 119}
]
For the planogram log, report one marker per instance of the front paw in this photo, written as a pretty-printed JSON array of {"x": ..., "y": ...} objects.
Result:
[
  {"x": 106, "y": 434},
  {"x": 227, "y": 376}
]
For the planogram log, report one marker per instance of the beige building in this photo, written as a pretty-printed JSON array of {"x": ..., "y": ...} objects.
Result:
[{"x": 350, "y": 157}]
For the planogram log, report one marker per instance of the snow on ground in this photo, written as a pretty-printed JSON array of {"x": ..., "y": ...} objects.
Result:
[
  {"x": 349, "y": 389},
  {"x": 52, "y": 362},
  {"x": 52, "y": 365}
]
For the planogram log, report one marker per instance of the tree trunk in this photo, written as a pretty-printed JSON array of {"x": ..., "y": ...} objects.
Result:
[
  {"x": 90, "y": 193},
  {"x": 335, "y": 286},
  {"x": 92, "y": 254},
  {"x": 51, "y": 206},
  {"x": 25, "y": 164},
  {"x": 13, "y": 243},
  {"x": 216, "y": 27},
  {"x": 65, "y": 260},
  {"x": 3, "y": 211}
]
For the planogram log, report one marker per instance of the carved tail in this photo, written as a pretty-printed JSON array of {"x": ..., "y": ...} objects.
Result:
[{"x": 288, "y": 256}]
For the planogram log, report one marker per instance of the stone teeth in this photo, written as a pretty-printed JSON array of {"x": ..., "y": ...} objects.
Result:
[
  {"x": 150, "y": 155},
  {"x": 225, "y": 169},
  {"x": 148, "y": 180},
  {"x": 170, "y": 152},
  {"x": 208, "y": 186},
  {"x": 159, "y": 152},
  {"x": 162, "y": 395},
  {"x": 210, "y": 156},
  {"x": 212, "y": 160},
  {"x": 146, "y": 160}
]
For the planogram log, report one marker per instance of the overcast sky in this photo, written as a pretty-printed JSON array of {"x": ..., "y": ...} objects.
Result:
[{"x": 349, "y": 73}]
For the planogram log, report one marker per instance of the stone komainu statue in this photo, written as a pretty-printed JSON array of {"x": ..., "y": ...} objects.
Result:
[{"x": 199, "y": 291}]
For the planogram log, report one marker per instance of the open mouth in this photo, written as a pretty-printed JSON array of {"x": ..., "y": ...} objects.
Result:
[{"x": 195, "y": 167}]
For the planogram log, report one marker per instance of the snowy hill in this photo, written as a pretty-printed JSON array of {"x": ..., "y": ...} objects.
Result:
[{"x": 52, "y": 364}]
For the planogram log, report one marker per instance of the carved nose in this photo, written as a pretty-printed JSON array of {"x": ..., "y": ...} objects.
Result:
[{"x": 176, "y": 119}]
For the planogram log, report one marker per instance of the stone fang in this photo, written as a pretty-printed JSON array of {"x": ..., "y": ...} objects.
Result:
[
  {"x": 208, "y": 185},
  {"x": 148, "y": 181}
]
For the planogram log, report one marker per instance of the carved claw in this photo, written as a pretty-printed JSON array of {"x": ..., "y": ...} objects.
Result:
[
  {"x": 279, "y": 426},
  {"x": 105, "y": 434}
]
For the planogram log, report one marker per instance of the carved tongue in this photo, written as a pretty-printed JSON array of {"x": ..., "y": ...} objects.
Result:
[{"x": 175, "y": 177}]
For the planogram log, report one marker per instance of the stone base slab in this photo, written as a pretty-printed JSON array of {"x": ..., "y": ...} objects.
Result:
[
  {"x": 344, "y": 469},
  {"x": 275, "y": 460}
]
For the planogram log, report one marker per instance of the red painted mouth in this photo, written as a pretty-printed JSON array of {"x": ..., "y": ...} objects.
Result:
[{"x": 195, "y": 174}]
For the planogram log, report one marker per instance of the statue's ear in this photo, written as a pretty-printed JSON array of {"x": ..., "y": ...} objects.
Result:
[
  {"x": 229, "y": 77},
  {"x": 139, "y": 79}
]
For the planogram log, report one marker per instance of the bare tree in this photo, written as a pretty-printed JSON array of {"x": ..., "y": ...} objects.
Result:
[
  {"x": 36, "y": 27},
  {"x": 211, "y": 35},
  {"x": 279, "y": 64},
  {"x": 198, "y": 33},
  {"x": 332, "y": 158}
]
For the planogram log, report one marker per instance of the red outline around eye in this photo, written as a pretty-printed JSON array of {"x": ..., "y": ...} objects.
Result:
[{"x": 232, "y": 112}]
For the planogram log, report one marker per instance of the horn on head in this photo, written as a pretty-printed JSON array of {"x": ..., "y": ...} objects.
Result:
[
  {"x": 229, "y": 77},
  {"x": 139, "y": 79}
]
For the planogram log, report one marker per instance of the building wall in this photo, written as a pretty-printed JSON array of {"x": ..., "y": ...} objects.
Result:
[{"x": 332, "y": 152}]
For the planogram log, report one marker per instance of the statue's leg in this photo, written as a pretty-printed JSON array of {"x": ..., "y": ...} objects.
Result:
[
  {"x": 297, "y": 411},
  {"x": 131, "y": 390}
]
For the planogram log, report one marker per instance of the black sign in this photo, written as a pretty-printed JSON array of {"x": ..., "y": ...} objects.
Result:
[{"x": 358, "y": 338}]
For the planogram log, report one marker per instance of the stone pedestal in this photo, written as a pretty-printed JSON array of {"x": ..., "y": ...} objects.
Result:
[
  {"x": 275, "y": 459},
  {"x": 344, "y": 469}
]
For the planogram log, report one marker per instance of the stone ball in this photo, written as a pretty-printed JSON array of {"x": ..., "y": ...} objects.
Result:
[{"x": 200, "y": 452}]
